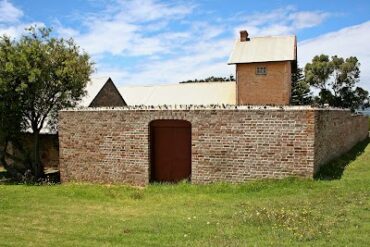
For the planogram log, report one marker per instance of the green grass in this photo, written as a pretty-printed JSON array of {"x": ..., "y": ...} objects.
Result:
[{"x": 288, "y": 212}]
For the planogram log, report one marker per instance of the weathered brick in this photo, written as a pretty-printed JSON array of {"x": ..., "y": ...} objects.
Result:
[{"x": 234, "y": 145}]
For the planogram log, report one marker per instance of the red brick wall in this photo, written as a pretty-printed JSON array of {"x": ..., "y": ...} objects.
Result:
[
  {"x": 336, "y": 132},
  {"x": 112, "y": 146},
  {"x": 274, "y": 88}
]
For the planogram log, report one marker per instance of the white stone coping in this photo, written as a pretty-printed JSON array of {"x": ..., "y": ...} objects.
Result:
[{"x": 204, "y": 107}]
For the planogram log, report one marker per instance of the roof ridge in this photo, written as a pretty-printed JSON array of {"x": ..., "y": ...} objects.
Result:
[
  {"x": 177, "y": 84},
  {"x": 274, "y": 36}
]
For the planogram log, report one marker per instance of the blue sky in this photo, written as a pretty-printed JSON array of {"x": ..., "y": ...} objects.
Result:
[{"x": 157, "y": 42}]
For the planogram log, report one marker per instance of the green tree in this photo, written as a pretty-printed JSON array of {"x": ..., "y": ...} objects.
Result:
[
  {"x": 10, "y": 120},
  {"x": 211, "y": 79},
  {"x": 301, "y": 93},
  {"x": 44, "y": 74},
  {"x": 336, "y": 78}
]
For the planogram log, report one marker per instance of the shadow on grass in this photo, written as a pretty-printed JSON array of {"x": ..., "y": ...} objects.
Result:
[
  {"x": 52, "y": 177},
  {"x": 3, "y": 175},
  {"x": 335, "y": 168}
]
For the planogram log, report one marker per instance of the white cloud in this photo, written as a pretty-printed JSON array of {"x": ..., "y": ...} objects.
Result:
[
  {"x": 9, "y": 13},
  {"x": 131, "y": 28},
  {"x": 10, "y": 16},
  {"x": 202, "y": 51},
  {"x": 306, "y": 19},
  {"x": 117, "y": 74},
  {"x": 150, "y": 10},
  {"x": 107, "y": 36},
  {"x": 141, "y": 28},
  {"x": 346, "y": 42},
  {"x": 205, "y": 59},
  {"x": 280, "y": 21},
  {"x": 201, "y": 60},
  {"x": 65, "y": 31},
  {"x": 15, "y": 31},
  {"x": 11, "y": 31}
]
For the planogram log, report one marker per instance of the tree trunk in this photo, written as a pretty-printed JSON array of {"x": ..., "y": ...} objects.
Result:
[{"x": 37, "y": 164}]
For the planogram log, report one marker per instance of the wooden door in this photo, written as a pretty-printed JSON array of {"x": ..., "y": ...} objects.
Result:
[{"x": 170, "y": 150}]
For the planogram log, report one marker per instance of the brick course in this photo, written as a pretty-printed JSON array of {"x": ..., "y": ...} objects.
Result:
[
  {"x": 336, "y": 133},
  {"x": 274, "y": 88},
  {"x": 231, "y": 145}
]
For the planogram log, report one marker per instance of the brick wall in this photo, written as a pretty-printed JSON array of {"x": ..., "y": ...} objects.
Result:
[
  {"x": 274, "y": 88},
  {"x": 336, "y": 132},
  {"x": 232, "y": 145}
]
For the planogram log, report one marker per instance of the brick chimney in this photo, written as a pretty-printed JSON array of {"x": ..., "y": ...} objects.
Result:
[{"x": 244, "y": 36}]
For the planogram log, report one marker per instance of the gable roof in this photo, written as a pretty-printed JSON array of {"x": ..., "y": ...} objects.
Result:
[
  {"x": 108, "y": 96},
  {"x": 93, "y": 87},
  {"x": 205, "y": 93},
  {"x": 264, "y": 49}
]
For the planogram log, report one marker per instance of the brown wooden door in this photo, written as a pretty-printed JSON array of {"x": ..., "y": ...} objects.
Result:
[{"x": 170, "y": 150}]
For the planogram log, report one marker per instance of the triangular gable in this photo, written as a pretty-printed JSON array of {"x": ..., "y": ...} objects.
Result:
[{"x": 108, "y": 96}]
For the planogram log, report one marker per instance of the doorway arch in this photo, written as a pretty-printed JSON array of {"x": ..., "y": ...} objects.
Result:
[{"x": 170, "y": 150}]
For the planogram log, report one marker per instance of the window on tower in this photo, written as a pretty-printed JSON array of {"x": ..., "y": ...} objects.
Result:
[{"x": 261, "y": 71}]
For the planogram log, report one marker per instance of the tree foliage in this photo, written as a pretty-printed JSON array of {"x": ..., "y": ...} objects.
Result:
[
  {"x": 211, "y": 79},
  {"x": 301, "y": 93},
  {"x": 336, "y": 78},
  {"x": 39, "y": 75}
]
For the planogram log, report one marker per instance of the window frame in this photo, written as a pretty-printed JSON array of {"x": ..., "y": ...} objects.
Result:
[{"x": 261, "y": 70}]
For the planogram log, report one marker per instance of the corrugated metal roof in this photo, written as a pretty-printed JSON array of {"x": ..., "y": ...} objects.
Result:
[
  {"x": 204, "y": 93},
  {"x": 264, "y": 49}
]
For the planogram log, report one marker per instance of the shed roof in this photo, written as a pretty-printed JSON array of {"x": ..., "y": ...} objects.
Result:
[
  {"x": 205, "y": 93},
  {"x": 264, "y": 49}
]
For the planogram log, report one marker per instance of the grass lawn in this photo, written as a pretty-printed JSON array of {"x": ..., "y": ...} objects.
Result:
[{"x": 292, "y": 212}]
